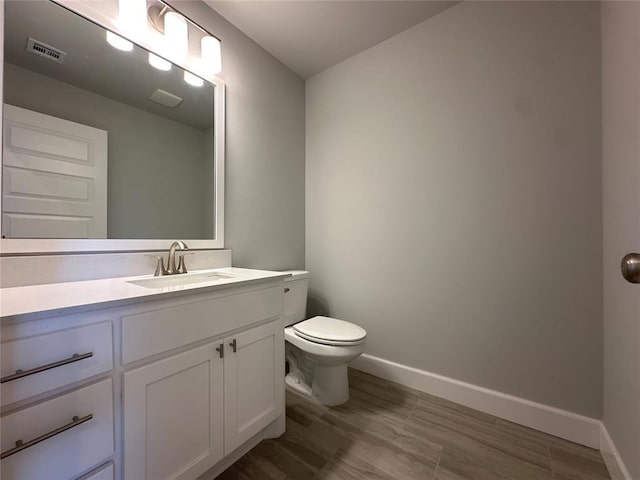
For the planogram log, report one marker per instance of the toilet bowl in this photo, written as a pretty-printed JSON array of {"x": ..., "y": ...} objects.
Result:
[{"x": 317, "y": 350}]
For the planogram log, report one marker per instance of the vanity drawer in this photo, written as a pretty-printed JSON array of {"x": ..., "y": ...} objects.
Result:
[
  {"x": 151, "y": 332},
  {"x": 55, "y": 350},
  {"x": 66, "y": 454}
]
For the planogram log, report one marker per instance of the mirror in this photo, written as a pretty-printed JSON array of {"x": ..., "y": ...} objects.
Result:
[{"x": 100, "y": 145}]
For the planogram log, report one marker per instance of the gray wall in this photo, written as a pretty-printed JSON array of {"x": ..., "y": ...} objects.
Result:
[
  {"x": 264, "y": 200},
  {"x": 454, "y": 198},
  {"x": 155, "y": 166},
  {"x": 621, "y": 195}
]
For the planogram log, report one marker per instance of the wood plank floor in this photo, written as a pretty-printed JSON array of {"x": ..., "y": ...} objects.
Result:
[{"x": 387, "y": 431}]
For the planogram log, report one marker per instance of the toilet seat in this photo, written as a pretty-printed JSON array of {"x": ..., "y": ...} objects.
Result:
[{"x": 330, "y": 331}]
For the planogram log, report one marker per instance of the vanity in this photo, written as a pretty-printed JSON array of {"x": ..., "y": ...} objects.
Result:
[
  {"x": 109, "y": 379},
  {"x": 123, "y": 377}
]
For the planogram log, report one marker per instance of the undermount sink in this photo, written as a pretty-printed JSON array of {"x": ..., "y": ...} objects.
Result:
[{"x": 181, "y": 279}]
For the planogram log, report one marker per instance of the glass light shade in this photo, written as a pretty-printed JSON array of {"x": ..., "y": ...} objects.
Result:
[
  {"x": 211, "y": 55},
  {"x": 132, "y": 16},
  {"x": 118, "y": 42},
  {"x": 176, "y": 36},
  {"x": 192, "y": 79},
  {"x": 159, "y": 63}
]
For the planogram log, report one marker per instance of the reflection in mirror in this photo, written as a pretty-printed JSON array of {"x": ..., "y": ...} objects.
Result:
[{"x": 98, "y": 143}]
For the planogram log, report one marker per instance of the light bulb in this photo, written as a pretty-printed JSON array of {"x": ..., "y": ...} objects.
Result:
[
  {"x": 192, "y": 79},
  {"x": 176, "y": 36},
  {"x": 211, "y": 55},
  {"x": 132, "y": 16},
  {"x": 159, "y": 63},
  {"x": 118, "y": 42}
]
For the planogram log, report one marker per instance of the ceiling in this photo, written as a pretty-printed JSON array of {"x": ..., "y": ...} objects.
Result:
[{"x": 309, "y": 36}]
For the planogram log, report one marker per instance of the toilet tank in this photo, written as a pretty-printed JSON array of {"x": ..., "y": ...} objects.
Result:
[{"x": 295, "y": 296}]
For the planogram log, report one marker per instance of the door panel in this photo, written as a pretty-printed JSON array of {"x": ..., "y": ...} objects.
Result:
[
  {"x": 621, "y": 227},
  {"x": 54, "y": 177},
  {"x": 254, "y": 388},
  {"x": 173, "y": 416}
]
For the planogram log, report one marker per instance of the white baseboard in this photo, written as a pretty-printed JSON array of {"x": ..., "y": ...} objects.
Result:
[
  {"x": 555, "y": 421},
  {"x": 615, "y": 465}
]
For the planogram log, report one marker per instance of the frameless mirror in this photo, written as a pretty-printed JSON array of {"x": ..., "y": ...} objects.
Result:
[{"x": 97, "y": 142}]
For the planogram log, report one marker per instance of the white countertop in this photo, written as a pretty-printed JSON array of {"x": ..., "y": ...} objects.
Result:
[{"x": 57, "y": 298}]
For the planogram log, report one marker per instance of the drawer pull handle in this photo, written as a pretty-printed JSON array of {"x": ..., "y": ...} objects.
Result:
[
  {"x": 220, "y": 349},
  {"x": 76, "y": 357},
  {"x": 234, "y": 345},
  {"x": 20, "y": 445}
]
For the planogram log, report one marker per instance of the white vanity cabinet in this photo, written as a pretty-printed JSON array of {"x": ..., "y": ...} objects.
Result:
[
  {"x": 57, "y": 397},
  {"x": 184, "y": 413},
  {"x": 203, "y": 375},
  {"x": 175, "y": 385}
]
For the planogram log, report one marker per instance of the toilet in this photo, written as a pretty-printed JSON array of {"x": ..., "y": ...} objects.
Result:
[{"x": 319, "y": 349}]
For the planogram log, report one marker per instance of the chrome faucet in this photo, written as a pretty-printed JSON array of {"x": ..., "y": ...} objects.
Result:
[{"x": 171, "y": 262}]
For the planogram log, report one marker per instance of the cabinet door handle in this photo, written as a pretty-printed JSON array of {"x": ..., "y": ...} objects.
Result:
[
  {"x": 221, "y": 350},
  {"x": 20, "y": 445},
  {"x": 76, "y": 357},
  {"x": 234, "y": 345}
]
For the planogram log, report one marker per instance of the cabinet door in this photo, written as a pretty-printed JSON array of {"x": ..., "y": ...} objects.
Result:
[
  {"x": 253, "y": 382},
  {"x": 173, "y": 416}
]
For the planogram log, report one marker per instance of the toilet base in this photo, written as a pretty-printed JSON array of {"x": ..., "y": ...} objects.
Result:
[{"x": 330, "y": 385}]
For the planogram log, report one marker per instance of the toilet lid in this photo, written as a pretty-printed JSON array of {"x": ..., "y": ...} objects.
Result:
[{"x": 328, "y": 330}]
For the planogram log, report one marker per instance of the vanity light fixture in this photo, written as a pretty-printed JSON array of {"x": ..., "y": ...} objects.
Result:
[
  {"x": 176, "y": 35},
  {"x": 211, "y": 54},
  {"x": 116, "y": 41},
  {"x": 192, "y": 79},
  {"x": 132, "y": 16},
  {"x": 159, "y": 63},
  {"x": 134, "y": 19},
  {"x": 175, "y": 30}
]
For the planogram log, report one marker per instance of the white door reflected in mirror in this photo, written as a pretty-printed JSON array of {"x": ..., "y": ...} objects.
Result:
[{"x": 55, "y": 177}]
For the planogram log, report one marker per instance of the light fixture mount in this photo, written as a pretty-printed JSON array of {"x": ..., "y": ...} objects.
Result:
[
  {"x": 174, "y": 29},
  {"x": 157, "y": 10},
  {"x": 155, "y": 14}
]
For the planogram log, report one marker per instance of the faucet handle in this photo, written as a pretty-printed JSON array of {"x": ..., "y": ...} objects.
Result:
[
  {"x": 182, "y": 268},
  {"x": 160, "y": 270}
]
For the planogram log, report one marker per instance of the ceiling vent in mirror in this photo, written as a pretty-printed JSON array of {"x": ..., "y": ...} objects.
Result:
[
  {"x": 43, "y": 50},
  {"x": 165, "y": 99}
]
